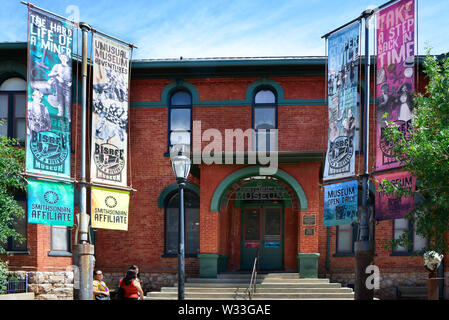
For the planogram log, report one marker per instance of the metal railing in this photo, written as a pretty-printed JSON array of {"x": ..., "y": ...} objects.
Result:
[
  {"x": 17, "y": 285},
  {"x": 252, "y": 283}
]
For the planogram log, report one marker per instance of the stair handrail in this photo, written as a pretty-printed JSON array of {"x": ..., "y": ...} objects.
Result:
[{"x": 252, "y": 283}]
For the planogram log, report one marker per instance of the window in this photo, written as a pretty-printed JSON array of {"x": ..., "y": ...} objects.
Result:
[
  {"x": 346, "y": 236},
  {"x": 417, "y": 242},
  {"x": 180, "y": 118},
  {"x": 192, "y": 224},
  {"x": 60, "y": 240},
  {"x": 20, "y": 225},
  {"x": 265, "y": 120},
  {"x": 13, "y": 108}
]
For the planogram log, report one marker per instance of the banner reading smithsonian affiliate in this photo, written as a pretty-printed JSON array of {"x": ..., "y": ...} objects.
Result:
[
  {"x": 49, "y": 95},
  {"x": 50, "y": 203},
  {"x": 110, "y": 111},
  {"x": 395, "y": 75},
  {"x": 340, "y": 203},
  {"x": 343, "y": 55},
  {"x": 109, "y": 209}
]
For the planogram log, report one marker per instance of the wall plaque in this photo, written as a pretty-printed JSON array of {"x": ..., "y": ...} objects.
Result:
[
  {"x": 309, "y": 231},
  {"x": 308, "y": 220}
]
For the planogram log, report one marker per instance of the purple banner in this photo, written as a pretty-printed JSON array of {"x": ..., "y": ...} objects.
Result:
[
  {"x": 391, "y": 207},
  {"x": 395, "y": 74}
]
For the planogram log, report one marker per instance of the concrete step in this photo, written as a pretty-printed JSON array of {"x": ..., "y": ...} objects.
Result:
[
  {"x": 258, "y": 296},
  {"x": 264, "y": 285},
  {"x": 279, "y": 275},
  {"x": 258, "y": 280},
  {"x": 259, "y": 290},
  {"x": 187, "y": 298}
]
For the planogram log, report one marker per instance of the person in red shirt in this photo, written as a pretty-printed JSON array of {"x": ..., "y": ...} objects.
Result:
[{"x": 131, "y": 287}]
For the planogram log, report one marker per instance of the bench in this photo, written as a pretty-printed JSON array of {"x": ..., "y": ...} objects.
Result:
[{"x": 416, "y": 293}]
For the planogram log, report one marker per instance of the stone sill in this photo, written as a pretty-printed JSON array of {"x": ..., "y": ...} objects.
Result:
[
  {"x": 59, "y": 254},
  {"x": 17, "y": 296}
]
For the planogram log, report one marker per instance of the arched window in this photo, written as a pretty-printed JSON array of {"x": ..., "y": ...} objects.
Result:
[
  {"x": 192, "y": 223},
  {"x": 180, "y": 118},
  {"x": 13, "y": 108},
  {"x": 265, "y": 119}
]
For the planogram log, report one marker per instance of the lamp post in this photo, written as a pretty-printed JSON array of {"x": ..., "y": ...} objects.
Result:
[{"x": 181, "y": 167}]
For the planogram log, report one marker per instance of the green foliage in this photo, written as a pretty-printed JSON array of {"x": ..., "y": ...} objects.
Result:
[
  {"x": 3, "y": 276},
  {"x": 424, "y": 149},
  {"x": 12, "y": 159}
]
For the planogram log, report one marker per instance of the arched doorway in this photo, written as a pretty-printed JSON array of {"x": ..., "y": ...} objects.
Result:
[{"x": 257, "y": 209}]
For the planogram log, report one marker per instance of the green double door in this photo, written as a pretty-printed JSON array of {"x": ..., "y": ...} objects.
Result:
[{"x": 262, "y": 228}]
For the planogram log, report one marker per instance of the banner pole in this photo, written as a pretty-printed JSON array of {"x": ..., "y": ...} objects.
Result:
[
  {"x": 363, "y": 248},
  {"x": 83, "y": 254}
]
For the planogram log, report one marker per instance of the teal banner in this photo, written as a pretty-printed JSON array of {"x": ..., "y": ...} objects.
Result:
[
  {"x": 50, "y": 42},
  {"x": 340, "y": 203},
  {"x": 50, "y": 203}
]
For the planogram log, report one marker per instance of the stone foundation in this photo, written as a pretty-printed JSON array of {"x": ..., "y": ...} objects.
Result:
[
  {"x": 48, "y": 285},
  {"x": 388, "y": 282}
]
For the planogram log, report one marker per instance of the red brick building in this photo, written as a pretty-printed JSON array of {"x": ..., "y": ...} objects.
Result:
[{"x": 282, "y": 213}]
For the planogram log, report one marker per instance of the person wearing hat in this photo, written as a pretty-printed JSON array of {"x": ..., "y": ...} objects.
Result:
[
  {"x": 38, "y": 116},
  {"x": 385, "y": 101},
  {"x": 405, "y": 99},
  {"x": 60, "y": 78}
]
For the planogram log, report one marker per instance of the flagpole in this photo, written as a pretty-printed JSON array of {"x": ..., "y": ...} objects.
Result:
[
  {"x": 363, "y": 247},
  {"x": 83, "y": 251}
]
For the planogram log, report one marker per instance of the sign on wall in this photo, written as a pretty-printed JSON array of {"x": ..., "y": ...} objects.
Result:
[
  {"x": 109, "y": 209},
  {"x": 395, "y": 74},
  {"x": 110, "y": 111},
  {"x": 50, "y": 203},
  {"x": 340, "y": 203},
  {"x": 389, "y": 206},
  {"x": 49, "y": 94},
  {"x": 343, "y": 56}
]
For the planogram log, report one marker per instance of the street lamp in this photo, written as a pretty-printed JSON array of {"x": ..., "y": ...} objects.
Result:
[{"x": 181, "y": 167}]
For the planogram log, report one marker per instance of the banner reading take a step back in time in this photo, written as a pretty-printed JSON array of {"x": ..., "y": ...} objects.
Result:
[
  {"x": 389, "y": 206},
  {"x": 340, "y": 203},
  {"x": 49, "y": 95},
  {"x": 50, "y": 203},
  {"x": 343, "y": 56},
  {"x": 109, "y": 208},
  {"x": 110, "y": 111},
  {"x": 395, "y": 75}
]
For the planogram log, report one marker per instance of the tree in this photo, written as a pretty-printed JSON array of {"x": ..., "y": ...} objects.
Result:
[
  {"x": 11, "y": 183},
  {"x": 424, "y": 149}
]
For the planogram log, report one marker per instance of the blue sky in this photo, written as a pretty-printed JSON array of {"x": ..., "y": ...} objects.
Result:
[{"x": 224, "y": 28}]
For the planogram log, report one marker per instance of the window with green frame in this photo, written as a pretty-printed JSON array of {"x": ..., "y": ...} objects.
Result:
[
  {"x": 180, "y": 118},
  {"x": 13, "y": 108},
  {"x": 264, "y": 119},
  {"x": 192, "y": 224}
]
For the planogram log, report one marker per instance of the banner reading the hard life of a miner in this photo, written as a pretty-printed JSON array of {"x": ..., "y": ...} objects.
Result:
[
  {"x": 109, "y": 209},
  {"x": 110, "y": 111},
  {"x": 340, "y": 203},
  {"x": 395, "y": 75},
  {"x": 50, "y": 203},
  {"x": 389, "y": 206},
  {"x": 343, "y": 56},
  {"x": 49, "y": 95}
]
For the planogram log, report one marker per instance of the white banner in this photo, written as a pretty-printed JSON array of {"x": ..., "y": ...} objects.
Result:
[{"x": 109, "y": 111}]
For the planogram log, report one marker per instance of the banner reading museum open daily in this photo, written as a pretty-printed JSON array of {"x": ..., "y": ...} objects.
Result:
[
  {"x": 395, "y": 74},
  {"x": 50, "y": 203},
  {"x": 343, "y": 56},
  {"x": 340, "y": 203},
  {"x": 109, "y": 208},
  {"x": 110, "y": 111},
  {"x": 389, "y": 206},
  {"x": 49, "y": 95}
]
